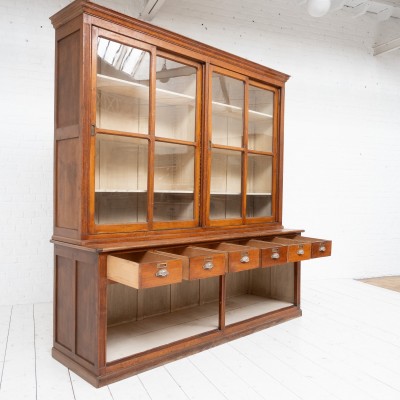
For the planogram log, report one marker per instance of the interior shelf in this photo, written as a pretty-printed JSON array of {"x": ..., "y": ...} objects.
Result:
[
  {"x": 138, "y": 90},
  {"x": 135, "y": 337},
  {"x": 142, "y": 191},
  {"x": 226, "y": 193}
]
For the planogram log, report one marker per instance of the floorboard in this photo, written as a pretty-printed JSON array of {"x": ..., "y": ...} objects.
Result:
[{"x": 345, "y": 346}]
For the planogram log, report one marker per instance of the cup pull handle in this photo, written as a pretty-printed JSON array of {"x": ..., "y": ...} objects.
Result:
[
  {"x": 208, "y": 265},
  {"x": 275, "y": 256},
  {"x": 162, "y": 273},
  {"x": 245, "y": 259}
]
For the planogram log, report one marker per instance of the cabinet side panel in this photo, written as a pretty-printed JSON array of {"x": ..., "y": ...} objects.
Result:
[
  {"x": 67, "y": 183},
  {"x": 67, "y": 81},
  {"x": 65, "y": 302},
  {"x": 86, "y": 311}
]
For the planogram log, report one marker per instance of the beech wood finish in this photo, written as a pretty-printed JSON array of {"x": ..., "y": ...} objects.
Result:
[{"x": 165, "y": 220}]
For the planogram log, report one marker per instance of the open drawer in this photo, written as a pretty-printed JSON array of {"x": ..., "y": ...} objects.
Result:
[
  {"x": 239, "y": 257},
  {"x": 297, "y": 250},
  {"x": 270, "y": 253},
  {"x": 197, "y": 263},
  {"x": 319, "y": 247},
  {"x": 144, "y": 269}
]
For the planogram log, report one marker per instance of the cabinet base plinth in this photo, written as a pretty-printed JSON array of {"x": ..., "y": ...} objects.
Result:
[{"x": 135, "y": 364}]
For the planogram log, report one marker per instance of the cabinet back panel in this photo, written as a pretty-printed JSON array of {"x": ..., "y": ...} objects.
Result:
[
  {"x": 121, "y": 113},
  {"x": 209, "y": 290},
  {"x": 237, "y": 283},
  {"x": 282, "y": 282},
  {"x": 185, "y": 294},
  {"x": 154, "y": 301},
  {"x": 121, "y": 304}
]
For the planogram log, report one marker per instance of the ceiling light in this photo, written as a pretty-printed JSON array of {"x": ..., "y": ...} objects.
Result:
[{"x": 318, "y": 8}]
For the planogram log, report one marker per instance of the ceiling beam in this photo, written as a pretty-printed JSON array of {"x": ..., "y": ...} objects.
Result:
[
  {"x": 361, "y": 9},
  {"x": 385, "y": 14},
  {"x": 393, "y": 3},
  {"x": 150, "y": 9},
  {"x": 337, "y": 5},
  {"x": 386, "y": 47}
]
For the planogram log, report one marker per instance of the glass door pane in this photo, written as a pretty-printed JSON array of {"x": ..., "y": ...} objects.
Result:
[
  {"x": 173, "y": 182},
  {"x": 260, "y": 126},
  {"x": 120, "y": 179},
  {"x": 227, "y": 110},
  {"x": 259, "y": 186},
  {"x": 122, "y": 84},
  {"x": 226, "y": 184},
  {"x": 175, "y": 100}
]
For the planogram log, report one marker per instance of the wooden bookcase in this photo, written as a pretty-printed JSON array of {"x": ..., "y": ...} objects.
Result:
[{"x": 168, "y": 227}]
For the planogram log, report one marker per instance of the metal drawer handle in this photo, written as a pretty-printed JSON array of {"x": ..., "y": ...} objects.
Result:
[
  {"x": 245, "y": 259},
  {"x": 275, "y": 256},
  {"x": 162, "y": 273},
  {"x": 322, "y": 248},
  {"x": 208, "y": 265},
  {"x": 300, "y": 252}
]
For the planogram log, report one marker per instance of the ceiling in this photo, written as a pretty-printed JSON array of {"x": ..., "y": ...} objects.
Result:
[{"x": 382, "y": 15}]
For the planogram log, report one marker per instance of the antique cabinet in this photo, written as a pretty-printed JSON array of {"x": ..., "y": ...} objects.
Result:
[{"x": 168, "y": 227}]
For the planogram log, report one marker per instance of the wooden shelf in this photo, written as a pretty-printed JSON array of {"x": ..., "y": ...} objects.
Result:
[
  {"x": 142, "y": 191},
  {"x": 140, "y": 91},
  {"x": 236, "y": 112},
  {"x": 120, "y": 191},
  {"x": 225, "y": 194}
]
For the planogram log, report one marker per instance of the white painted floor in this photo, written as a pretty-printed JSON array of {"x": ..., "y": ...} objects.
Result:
[{"x": 346, "y": 346}]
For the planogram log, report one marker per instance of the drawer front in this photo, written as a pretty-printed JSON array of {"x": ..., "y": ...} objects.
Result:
[
  {"x": 127, "y": 270},
  {"x": 243, "y": 260},
  {"x": 297, "y": 250},
  {"x": 160, "y": 273},
  {"x": 272, "y": 256},
  {"x": 319, "y": 247},
  {"x": 201, "y": 267}
]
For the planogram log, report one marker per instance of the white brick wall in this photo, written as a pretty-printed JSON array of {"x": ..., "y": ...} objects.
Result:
[{"x": 342, "y": 140}]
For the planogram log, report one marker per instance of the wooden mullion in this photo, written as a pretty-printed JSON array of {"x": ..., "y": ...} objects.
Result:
[
  {"x": 121, "y": 133},
  {"x": 93, "y": 115},
  {"x": 261, "y": 153},
  {"x": 225, "y": 147},
  {"x": 174, "y": 57},
  {"x": 198, "y": 150},
  {"x": 277, "y": 183},
  {"x": 206, "y": 144},
  {"x": 152, "y": 128},
  {"x": 245, "y": 145},
  {"x": 176, "y": 141},
  {"x": 222, "y": 302}
]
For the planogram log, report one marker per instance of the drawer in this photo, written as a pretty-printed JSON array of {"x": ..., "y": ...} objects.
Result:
[
  {"x": 319, "y": 247},
  {"x": 144, "y": 269},
  {"x": 239, "y": 257},
  {"x": 271, "y": 253},
  {"x": 297, "y": 250},
  {"x": 197, "y": 263}
]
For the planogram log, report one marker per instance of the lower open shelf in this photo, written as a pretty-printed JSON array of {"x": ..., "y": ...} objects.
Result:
[{"x": 135, "y": 337}]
